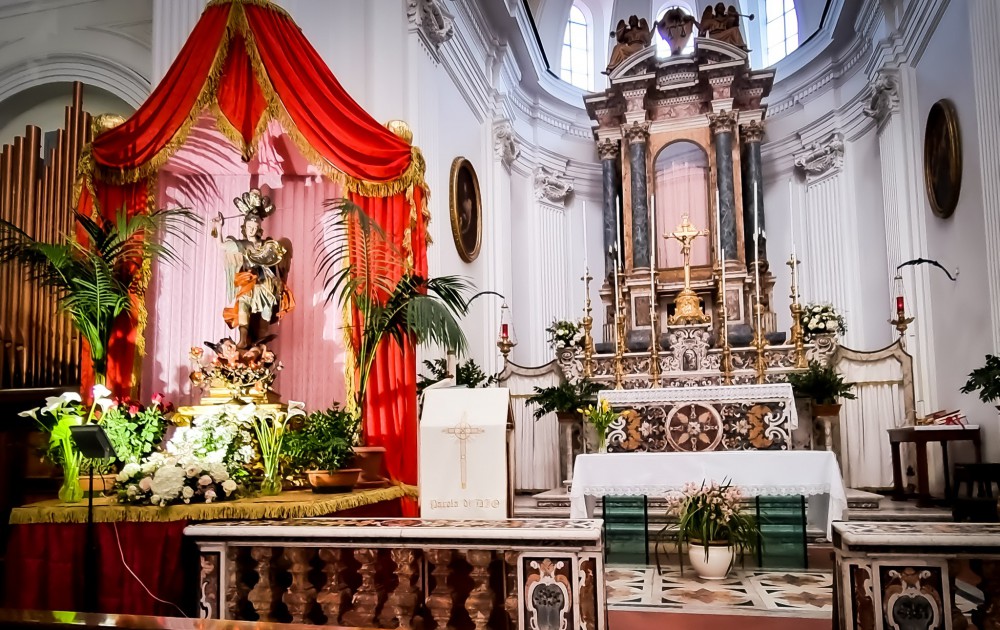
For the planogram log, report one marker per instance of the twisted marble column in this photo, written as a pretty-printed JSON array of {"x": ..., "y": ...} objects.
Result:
[
  {"x": 637, "y": 135},
  {"x": 723, "y": 125},
  {"x": 608, "y": 150},
  {"x": 753, "y": 197}
]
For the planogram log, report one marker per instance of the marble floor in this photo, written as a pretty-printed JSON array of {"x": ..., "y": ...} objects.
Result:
[{"x": 756, "y": 592}]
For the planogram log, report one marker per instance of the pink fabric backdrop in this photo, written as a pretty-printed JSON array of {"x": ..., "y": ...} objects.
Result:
[
  {"x": 681, "y": 188},
  {"x": 185, "y": 302}
]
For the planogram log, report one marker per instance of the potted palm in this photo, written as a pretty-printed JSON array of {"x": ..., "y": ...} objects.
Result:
[
  {"x": 985, "y": 380},
  {"x": 824, "y": 386},
  {"x": 711, "y": 521},
  {"x": 365, "y": 273},
  {"x": 322, "y": 447},
  {"x": 93, "y": 279}
]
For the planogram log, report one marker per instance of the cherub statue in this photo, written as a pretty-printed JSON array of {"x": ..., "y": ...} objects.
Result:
[
  {"x": 631, "y": 38},
  {"x": 676, "y": 28},
  {"x": 256, "y": 273}
]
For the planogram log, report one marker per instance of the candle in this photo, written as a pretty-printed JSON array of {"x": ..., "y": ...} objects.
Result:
[
  {"x": 652, "y": 234},
  {"x": 618, "y": 236},
  {"x": 791, "y": 214},
  {"x": 585, "y": 265},
  {"x": 504, "y": 332},
  {"x": 718, "y": 224},
  {"x": 899, "y": 304},
  {"x": 722, "y": 269}
]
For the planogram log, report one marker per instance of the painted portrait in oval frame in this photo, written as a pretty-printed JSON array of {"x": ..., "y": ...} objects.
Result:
[
  {"x": 943, "y": 158},
  {"x": 466, "y": 209}
]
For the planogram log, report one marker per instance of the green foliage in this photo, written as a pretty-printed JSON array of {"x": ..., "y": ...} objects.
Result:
[
  {"x": 325, "y": 441},
  {"x": 822, "y": 384},
  {"x": 92, "y": 280},
  {"x": 986, "y": 380},
  {"x": 712, "y": 513},
  {"x": 566, "y": 397},
  {"x": 134, "y": 431},
  {"x": 357, "y": 262},
  {"x": 467, "y": 374}
]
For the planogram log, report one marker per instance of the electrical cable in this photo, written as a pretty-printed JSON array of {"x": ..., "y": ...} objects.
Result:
[{"x": 121, "y": 552}]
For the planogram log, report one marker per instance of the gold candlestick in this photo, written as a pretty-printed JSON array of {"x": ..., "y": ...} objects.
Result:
[
  {"x": 759, "y": 339},
  {"x": 620, "y": 332},
  {"x": 654, "y": 346},
  {"x": 722, "y": 339},
  {"x": 588, "y": 323},
  {"x": 798, "y": 338}
]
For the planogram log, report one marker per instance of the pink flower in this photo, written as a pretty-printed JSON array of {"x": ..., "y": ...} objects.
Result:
[
  {"x": 204, "y": 480},
  {"x": 157, "y": 398},
  {"x": 133, "y": 409},
  {"x": 146, "y": 484}
]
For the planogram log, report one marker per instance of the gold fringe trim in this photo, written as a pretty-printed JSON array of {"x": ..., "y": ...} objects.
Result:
[
  {"x": 408, "y": 232},
  {"x": 267, "y": 4},
  {"x": 294, "y": 504}
]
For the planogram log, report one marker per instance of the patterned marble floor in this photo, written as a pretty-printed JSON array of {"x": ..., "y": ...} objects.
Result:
[{"x": 802, "y": 594}]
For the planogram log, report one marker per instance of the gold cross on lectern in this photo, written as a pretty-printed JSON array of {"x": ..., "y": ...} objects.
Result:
[{"x": 463, "y": 431}]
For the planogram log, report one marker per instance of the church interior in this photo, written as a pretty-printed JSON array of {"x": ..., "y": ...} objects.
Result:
[{"x": 490, "y": 314}]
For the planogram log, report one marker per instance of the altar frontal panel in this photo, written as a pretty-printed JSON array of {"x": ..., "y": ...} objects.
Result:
[{"x": 699, "y": 419}]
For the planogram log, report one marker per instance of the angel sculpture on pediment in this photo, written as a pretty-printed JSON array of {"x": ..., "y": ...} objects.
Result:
[
  {"x": 676, "y": 28},
  {"x": 256, "y": 273},
  {"x": 630, "y": 38},
  {"x": 723, "y": 25}
]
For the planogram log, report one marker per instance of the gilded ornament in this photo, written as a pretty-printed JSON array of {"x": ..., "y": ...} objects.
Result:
[
  {"x": 753, "y": 131},
  {"x": 608, "y": 149},
  {"x": 722, "y": 122},
  {"x": 687, "y": 304},
  {"x": 636, "y": 132},
  {"x": 401, "y": 129}
]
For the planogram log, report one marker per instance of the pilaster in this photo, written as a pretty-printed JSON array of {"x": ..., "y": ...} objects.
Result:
[
  {"x": 173, "y": 21},
  {"x": 497, "y": 270}
]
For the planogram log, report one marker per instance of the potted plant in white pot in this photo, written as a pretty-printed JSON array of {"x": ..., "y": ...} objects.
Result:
[
  {"x": 710, "y": 519},
  {"x": 322, "y": 447}
]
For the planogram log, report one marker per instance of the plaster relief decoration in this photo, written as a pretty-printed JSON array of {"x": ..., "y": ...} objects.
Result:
[
  {"x": 912, "y": 596},
  {"x": 552, "y": 187},
  {"x": 821, "y": 158},
  {"x": 548, "y": 593},
  {"x": 505, "y": 145},
  {"x": 432, "y": 18},
  {"x": 884, "y": 97}
]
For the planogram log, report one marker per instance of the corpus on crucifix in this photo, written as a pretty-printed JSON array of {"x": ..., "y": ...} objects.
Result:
[{"x": 687, "y": 303}]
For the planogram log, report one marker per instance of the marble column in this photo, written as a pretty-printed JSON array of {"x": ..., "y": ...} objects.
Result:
[
  {"x": 609, "y": 150},
  {"x": 984, "y": 17},
  {"x": 753, "y": 204},
  {"x": 173, "y": 21},
  {"x": 892, "y": 103},
  {"x": 723, "y": 125},
  {"x": 638, "y": 135}
]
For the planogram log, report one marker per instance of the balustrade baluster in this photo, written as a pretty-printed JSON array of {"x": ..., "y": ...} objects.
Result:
[
  {"x": 480, "y": 602},
  {"x": 301, "y": 594},
  {"x": 236, "y": 588},
  {"x": 403, "y": 600},
  {"x": 370, "y": 594},
  {"x": 262, "y": 594},
  {"x": 336, "y": 594},
  {"x": 442, "y": 599},
  {"x": 511, "y": 558}
]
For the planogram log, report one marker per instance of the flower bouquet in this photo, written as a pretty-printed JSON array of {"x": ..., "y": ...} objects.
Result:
[
  {"x": 243, "y": 372},
  {"x": 55, "y": 418},
  {"x": 565, "y": 334},
  {"x": 165, "y": 479},
  {"x": 601, "y": 418},
  {"x": 821, "y": 319},
  {"x": 711, "y": 520},
  {"x": 135, "y": 430}
]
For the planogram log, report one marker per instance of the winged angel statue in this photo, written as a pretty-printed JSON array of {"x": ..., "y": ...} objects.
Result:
[{"x": 256, "y": 273}]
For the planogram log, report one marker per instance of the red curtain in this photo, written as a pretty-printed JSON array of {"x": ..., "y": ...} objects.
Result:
[{"x": 330, "y": 127}]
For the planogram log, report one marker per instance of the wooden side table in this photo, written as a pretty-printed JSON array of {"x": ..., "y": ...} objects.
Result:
[{"x": 920, "y": 436}]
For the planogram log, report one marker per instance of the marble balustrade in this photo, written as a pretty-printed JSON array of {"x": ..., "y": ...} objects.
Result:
[
  {"x": 903, "y": 575},
  {"x": 404, "y": 573}
]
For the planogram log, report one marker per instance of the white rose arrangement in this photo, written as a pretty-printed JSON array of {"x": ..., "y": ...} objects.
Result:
[
  {"x": 565, "y": 334},
  {"x": 820, "y": 319},
  {"x": 165, "y": 479}
]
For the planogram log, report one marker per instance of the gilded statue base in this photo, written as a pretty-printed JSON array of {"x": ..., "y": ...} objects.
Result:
[
  {"x": 687, "y": 310},
  {"x": 220, "y": 394}
]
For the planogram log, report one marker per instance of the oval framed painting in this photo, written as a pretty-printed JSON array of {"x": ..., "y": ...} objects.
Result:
[
  {"x": 943, "y": 158},
  {"x": 466, "y": 209}
]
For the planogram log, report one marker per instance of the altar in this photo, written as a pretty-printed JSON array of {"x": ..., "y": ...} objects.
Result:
[
  {"x": 696, "y": 419},
  {"x": 816, "y": 477}
]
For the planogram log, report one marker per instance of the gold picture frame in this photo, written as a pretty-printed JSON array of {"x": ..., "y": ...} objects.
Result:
[
  {"x": 466, "y": 208},
  {"x": 943, "y": 158}
]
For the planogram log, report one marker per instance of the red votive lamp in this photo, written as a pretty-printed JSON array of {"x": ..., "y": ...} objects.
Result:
[
  {"x": 899, "y": 304},
  {"x": 503, "y": 331}
]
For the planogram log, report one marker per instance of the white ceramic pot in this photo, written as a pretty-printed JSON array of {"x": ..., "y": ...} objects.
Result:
[{"x": 718, "y": 563}]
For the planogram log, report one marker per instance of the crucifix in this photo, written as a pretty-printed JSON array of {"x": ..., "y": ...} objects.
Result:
[
  {"x": 685, "y": 235},
  {"x": 463, "y": 431},
  {"x": 687, "y": 304}
]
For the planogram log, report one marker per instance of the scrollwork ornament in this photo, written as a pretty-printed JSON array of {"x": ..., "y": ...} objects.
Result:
[
  {"x": 552, "y": 187},
  {"x": 722, "y": 122},
  {"x": 505, "y": 145},
  {"x": 883, "y": 98},
  {"x": 432, "y": 18},
  {"x": 823, "y": 157}
]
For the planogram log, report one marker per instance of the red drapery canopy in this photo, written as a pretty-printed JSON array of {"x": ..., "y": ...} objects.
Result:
[{"x": 247, "y": 63}]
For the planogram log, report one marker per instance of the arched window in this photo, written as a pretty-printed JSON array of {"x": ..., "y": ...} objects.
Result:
[
  {"x": 781, "y": 31},
  {"x": 662, "y": 48},
  {"x": 577, "y": 57}
]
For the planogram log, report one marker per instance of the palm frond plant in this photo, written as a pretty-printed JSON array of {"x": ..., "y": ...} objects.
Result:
[
  {"x": 467, "y": 374},
  {"x": 93, "y": 279},
  {"x": 360, "y": 265},
  {"x": 985, "y": 380},
  {"x": 567, "y": 397}
]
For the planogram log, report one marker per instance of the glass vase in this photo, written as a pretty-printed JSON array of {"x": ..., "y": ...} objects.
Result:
[
  {"x": 271, "y": 485},
  {"x": 70, "y": 490}
]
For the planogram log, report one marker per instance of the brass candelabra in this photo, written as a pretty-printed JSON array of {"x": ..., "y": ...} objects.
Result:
[
  {"x": 759, "y": 338},
  {"x": 620, "y": 333},
  {"x": 722, "y": 339},
  {"x": 654, "y": 338},
  {"x": 798, "y": 337},
  {"x": 587, "y": 323}
]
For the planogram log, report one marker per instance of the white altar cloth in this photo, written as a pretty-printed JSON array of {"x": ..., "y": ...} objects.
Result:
[
  {"x": 750, "y": 392},
  {"x": 813, "y": 474}
]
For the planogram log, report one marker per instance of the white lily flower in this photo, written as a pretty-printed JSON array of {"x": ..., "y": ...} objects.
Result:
[
  {"x": 99, "y": 391},
  {"x": 296, "y": 408},
  {"x": 30, "y": 413},
  {"x": 103, "y": 403}
]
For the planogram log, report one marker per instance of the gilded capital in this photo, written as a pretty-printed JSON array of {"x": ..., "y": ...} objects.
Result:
[
  {"x": 636, "y": 132},
  {"x": 722, "y": 122},
  {"x": 607, "y": 149},
  {"x": 753, "y": 131}
]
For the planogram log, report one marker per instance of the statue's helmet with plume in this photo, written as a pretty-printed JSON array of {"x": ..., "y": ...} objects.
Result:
[{"x": 254, "y": 204}]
